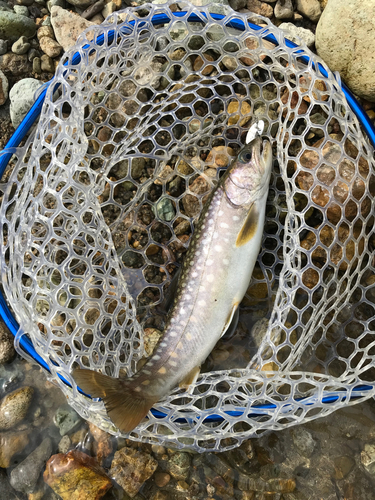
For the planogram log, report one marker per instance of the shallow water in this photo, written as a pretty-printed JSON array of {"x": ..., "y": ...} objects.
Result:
[{"x": 323, "y": 457}]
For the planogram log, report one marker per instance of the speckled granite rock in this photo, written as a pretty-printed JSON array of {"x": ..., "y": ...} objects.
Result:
[
  {"x": 344, "y": 42},
  {"x": 14, "y": 407},
  {"x": 67, "y": 26},
  {"x": 7, "y": 351},
  {"x": 131, "y": 468},
  {"x": 21, "y": 98},
  {"x": 76, "y": 476},
  {"x": 25, "y": 476}
]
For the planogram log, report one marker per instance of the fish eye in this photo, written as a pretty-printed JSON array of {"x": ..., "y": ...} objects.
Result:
[{"x": 245, "y": 156}]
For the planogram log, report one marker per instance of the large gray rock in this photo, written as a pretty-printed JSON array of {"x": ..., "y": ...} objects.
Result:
[
  {"x": 21, "y": 99},
  {"x": 13, "y": 25},
  {"x": 25, "y": 476},
  {"x": 345, "y": 41}
]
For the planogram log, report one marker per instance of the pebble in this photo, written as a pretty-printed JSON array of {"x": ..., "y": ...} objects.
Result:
[
  {"x": 164, "y": 209},
  {"x": 67, "y": 26},
  {"x": 76, "y": 476},
  {"x": 10, "y": 376},
  {"x": 310, "y": 9},
  {"x": 66, "y": 419},
  {"x": 47, "y": 21},
  {"x": 4, "y": 7},
  {"x": 11, "y": 444},
  {"x": 46, "y": 64},
  {"x": 303, "y": 441},
  {"x": 22, "y": 10},
  {"x": 33, "y": 53},
  {"x": 161, "y": 479},
  {"x": 368, "y": 458},
  {"x": 3, "y": 47},
  {"x": 22, "y": 98},
  {"x": 349, "y": 50},
  {"x": 131, "y": 468},
  {"x": 238, "y": 4},
  {"x": 64, "y": 444},
  {"x": 13, "y": 25},
  {"x": 50, "y": 46},
  {"x": 93, "y": 9},
  {"x": 103, "y": 443},
  {"x": 7, "y": 492},
  {"x": 21, "y": 46},
  {"x": 45, "y": 31},
  {"x": 13, "y": 64},
  {"x": 37, "y": 67},
  {"x": 258, "y": 7},
  {"x": 294, "y": 33},
  {"x": 284, "y": 9},
  {"x": 179, "y": 465},
  {"x": 14, "y": 407},
  {"x": 109, "y": 9},
  {"x": 7, "y": 351},
  {"x": 35, "y": 11},
  {"x": 24, "y": 477},
  {"x": 24, "y": 2},
  {"x": 81, "y": 4},
  {"x": 58, "y": 3}
]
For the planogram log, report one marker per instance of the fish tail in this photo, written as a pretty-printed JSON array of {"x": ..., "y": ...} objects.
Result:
[{"x": 125, "y": 406}]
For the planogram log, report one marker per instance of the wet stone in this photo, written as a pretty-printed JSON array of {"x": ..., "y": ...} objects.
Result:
[
  {"x": 37, "y": 68},
  {"x": 47, "y": 64},
  {"x": 131, "y": 468},
  {"x": 103, "y": 443},
  {"x": 179, "y": 465},
  {"x": 6, "y": 491},
  {"x": 66, "y": 419},
  {"x": 21, "y": 46},
  {"x": 368, "y": 458},
  {"x": 10, "y": 375},
  {"x": 165, "y": 209},
  {"x": 162, "y": 479},
  {"x": 76, "y": 476},
  {"x": 3, "y": 47},
  {"x": 343, "y": 465},
  {"x": 7, "y": 351},
  {"x": 303, "y": 441},
  {"x": 64, "y": 444},
  {"x": 14, "y": 407},
  {"x": 25, "y": 476},
  {"x": 22, "y": 10},
  {"x": 11, "y": 444}
]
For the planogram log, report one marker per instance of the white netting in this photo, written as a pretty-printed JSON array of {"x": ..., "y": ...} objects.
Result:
[{"x": 99, "y": 209}]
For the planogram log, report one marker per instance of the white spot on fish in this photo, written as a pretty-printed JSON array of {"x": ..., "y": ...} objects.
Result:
[
  {"x": 210, "y": 278},
  {"x": 202, "y": 303},
  {"x": 197, "y": 253},
  {"x": 209, "y": 262},
  {"x": 194, "y": 274},
  {"x": 211, "y": 221},
  {"x": 172, "y": 363},
  {"x": 218, "y": 248},
  {"x": 216, "y": 235},
  {"x": 187, "y": 297},
  {"x": 137, "y": 389},
  {"x": 220, "y": 214},
  {"x": 182, "y": 310},
  {"x": 224, "y": 225},
  {"x": 235, "y": 217},
  {"x": 173, "y": 334},
  {"x": 225, "y": 261},
  {"x": 147, "y": 372},
  {"x": 156, "y": 357}
]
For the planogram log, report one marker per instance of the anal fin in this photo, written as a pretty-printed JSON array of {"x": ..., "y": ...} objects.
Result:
[{"x": 190, "y": 378}]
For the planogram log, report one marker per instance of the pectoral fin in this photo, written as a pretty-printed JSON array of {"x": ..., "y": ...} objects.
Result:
[
  {"x": 249, "y": 227},
  {"x": 232, "y": 321},
  {"x": 190, "y": 378}
]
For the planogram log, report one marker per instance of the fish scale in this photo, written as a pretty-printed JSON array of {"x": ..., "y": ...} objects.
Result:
[{"x": 214, "y": 278}]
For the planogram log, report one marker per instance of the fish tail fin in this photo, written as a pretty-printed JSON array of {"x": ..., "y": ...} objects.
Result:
[{"x": 125, "y": 406}]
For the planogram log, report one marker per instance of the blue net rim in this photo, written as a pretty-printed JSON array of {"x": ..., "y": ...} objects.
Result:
[{"x": 236, "y": 23}]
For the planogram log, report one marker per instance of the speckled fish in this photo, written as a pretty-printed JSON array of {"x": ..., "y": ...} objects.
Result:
[{"x": 214, "y": 278}]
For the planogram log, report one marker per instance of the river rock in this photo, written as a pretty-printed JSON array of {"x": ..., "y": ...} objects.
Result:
[
  {"x": 11, "y": 444},
  {"x": 37, "y": 66},
  {"x": 21, "y": 46},
  {"x": 14, "y": 65},
  {"x": 303, "y": 441},
  {"x": 262, "y": 8},
  {"x": 22, "y": 98},
  {"x": 344, "y": 43},
  {"x": 76, "y": 476},
  {"x": 14, "y": 407},
  {"x": 67, "y": 26},
  {"x": 46, "y": 64},
  {"x": 294, "y": 33},
  {"x": 284, "y": 9},
  {"x": 50, "y": 46},
  {"x": 93, "y": 9},
  {"x": 22, "y": 10},
  {"x": 179, "y": 465},
  {"x": 24, "y": 477},
  {"x": 7, "y": 492},
  {"x": 103, "y": 443},
  {"x": 4, "y": 7},
  {"x": 310, "y": 9},
  {"x": 3, "y": 46},
  {"x": 7, "y": 351},
  {"x": 13, "y": 25},
  {"x": 82, "y": 4},
  {"x": 131, "y": 468},
  {"x": 66, "y": 419},
  {"x": 368, "y": 458}
]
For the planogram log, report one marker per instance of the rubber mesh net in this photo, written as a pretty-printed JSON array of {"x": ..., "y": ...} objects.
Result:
[{"x": 99, "y": 206}]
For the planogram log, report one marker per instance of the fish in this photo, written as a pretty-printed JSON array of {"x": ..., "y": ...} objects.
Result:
[{"x": 214, "y": 278}]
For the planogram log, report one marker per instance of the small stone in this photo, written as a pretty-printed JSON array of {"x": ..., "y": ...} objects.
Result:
[
  {"x": 76, "y": 476},
  {"x": 151, "y": 338},
  {"x": 37, "y": 67},
  {"x": 7, "y": 351},
  {"x": 103, "y": 442},
  {"x": 182, "y": 486},
  {"x": 50, "y": 46},
  {"x": 11, "y": 444},
  {"x": 14, "y": 407},
  {"x": 33, "y": 53},
  {"x": 58, "y": 3},
  {"x": 294, "y": 33},
  {"x": 24, "y": 477},
  {"x": 368, "y": 458},
  {"x": 65, "y": 444},
  {"x": 7, "y": 492},
  {"x": 81, "y": 4},
  {"x": 22, "y": 10},
  {"x": 21, "y": 46},
  {"x": 67, "y": 26},
  {"x": 258, "y": 7},
  {"x": 343, "y": 465},
  {"x": 46, "y": 64},
  {"x": 131, "y": 468},
  {"x": 45, "y": 31},
  {"x": 109, "y": 9},
  {"x": 4, "y": 7},
  {"x": 13, "y": 25},
  {"x": 161, "y": 479},
  {"x": 284, "y": 9},
  {"x": 35, "y": 12},
  {"x": 303, "y": 441},
  {"x": 243, "y": 117},
  {"x": 238, "y": 4},
  {"x": 221, "y": 156},
  {"x": 97, "y": 19},
  {"x": 47, "y": 21},
  {"x": 310, "y": 9},
  {"x": 3, "y": 47},
  {"x": 179, "y": 465},
  {"x": 22, "y": 98},
  {"x": 24, "y": 2},
  {"x": 93, "y": 9},
  {"x": 164, "y": 209},
  {"x": 66, "y": 419}
]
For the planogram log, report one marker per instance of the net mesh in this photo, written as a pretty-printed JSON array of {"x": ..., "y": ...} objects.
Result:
[{"x": 99, "y": 206}]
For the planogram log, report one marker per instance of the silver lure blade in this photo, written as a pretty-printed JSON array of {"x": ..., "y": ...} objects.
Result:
[{"x": 255, "y": 130}]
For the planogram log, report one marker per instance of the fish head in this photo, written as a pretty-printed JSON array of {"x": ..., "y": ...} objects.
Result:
[{"x": 249, "y": 176}]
